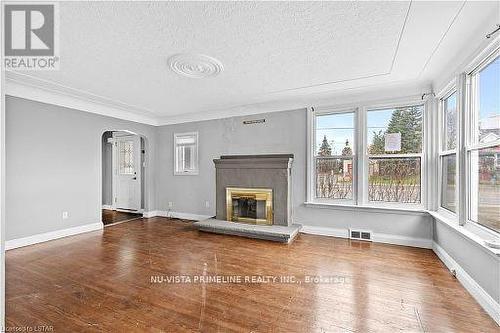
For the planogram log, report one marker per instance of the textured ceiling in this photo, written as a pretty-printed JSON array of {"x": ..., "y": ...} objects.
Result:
[{"x": 116, "y": 52}]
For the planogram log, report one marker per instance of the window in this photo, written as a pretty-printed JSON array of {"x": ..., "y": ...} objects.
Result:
[
  {"x": 392, "y": 138},
  {"x": 126, "y": 157},
  {"x": 483, "y": 148},
  {"x": 448, "y": 152},
  {"x": 334, "y": 155},
  {"x": 186, "y": 153},
  {"x": 394, "y": 149}
]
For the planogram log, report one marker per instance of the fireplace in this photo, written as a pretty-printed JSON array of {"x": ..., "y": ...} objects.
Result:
[
  {"x": 254, "y": 189},
  {"x": 249, "y": 205}
]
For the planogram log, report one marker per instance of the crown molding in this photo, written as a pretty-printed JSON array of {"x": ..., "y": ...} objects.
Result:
[
  {"x": 343, "y": 96},
  {"x": 29, "y": 87}
]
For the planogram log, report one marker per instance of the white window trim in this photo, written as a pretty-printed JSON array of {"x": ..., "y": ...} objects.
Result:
[
  {"x": 360, "y": 158},
  {"x": 196, "y": 170},
  {"x": 467, "y": 87},
  {"x": 469, "y": 229},
  {"x": 311, "y": 187},
  {"x": 449, "y": 90},
  {"x": 422, "y": 155}
]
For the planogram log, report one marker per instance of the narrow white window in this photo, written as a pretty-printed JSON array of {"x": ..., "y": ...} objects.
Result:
[
  {"x": 483, "y": 148},
  {"x": 448, "y": 152},
  {"x": 334, "y": 156},
  {"x": 394, "y": 148},
  {"x": 186, "y": 153}
]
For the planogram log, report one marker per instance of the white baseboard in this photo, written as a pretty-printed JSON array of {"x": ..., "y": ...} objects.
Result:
[
  {"x": 47, "y": 236},
  {"x": 178, "y": 215},
  {"x": 149, "y": 214},
  {"x": 402, "y": 240},
  {"x": 480, "y": 295},
  {"x": 324, "y": 231},
  {"x": 379, "y": 238},
  {"x": 109, "y": 207}
]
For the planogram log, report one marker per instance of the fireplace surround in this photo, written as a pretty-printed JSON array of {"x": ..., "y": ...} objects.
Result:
[{"x": 260, "y": 185}]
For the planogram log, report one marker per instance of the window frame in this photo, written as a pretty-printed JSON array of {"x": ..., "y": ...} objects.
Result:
[
  {"x": 121, "y": 157},
  {"x": 442, "y": 153},
  {"x": 195, "y": 170},
  {"x": 421, "y": 155},
  {"x": 360, "y": 156},
  {"x": 469, "y": 88},
  {"x": 312, "y": 147}
]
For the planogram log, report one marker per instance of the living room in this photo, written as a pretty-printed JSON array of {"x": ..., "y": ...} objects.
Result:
[{"x": 251, "y": 166}]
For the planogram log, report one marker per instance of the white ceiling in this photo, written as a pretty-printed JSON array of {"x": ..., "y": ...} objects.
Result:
[{"x": 115, "y": 53}]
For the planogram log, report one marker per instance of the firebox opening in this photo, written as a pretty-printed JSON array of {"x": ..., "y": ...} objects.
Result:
[{"x": 249, "y": 205}]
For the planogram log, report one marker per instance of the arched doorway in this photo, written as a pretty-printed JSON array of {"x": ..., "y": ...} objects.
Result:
[{"x": 123, "y": 176}]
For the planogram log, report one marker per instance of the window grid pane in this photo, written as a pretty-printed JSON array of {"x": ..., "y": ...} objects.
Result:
[
  {"x": 333, "y": 150},
  {"x": 334, "y": 134},
  {"x": 448, "y": 182},
  {"x": 126, "y": 156},
  {"x": 487, "y": 104},
  {"x": 187, "y": 161},
  {"x": 450, "y": 122},
  {"x": 394, "y": 180},
  {"x": 485, "y": 187},
  {"x": 334, "y": 178},
  {"x": 407, "y": 121}
]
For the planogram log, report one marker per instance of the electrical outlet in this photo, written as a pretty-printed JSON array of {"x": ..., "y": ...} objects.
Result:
[
  {"x": 65, "y": 215},
  {"x": 207, "y": 204},
  {"x": 170, "y": 204}
]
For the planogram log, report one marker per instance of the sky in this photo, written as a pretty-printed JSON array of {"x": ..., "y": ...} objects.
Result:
[
  {"x": 338, "y": 128},
  {"x": 489, "y": 90}
]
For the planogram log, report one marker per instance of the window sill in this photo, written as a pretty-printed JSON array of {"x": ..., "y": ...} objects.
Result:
[
  {"x": 465, "y": 232},
  {"x": 187, "y": 173},
  {"x": 367, "y": 208}
]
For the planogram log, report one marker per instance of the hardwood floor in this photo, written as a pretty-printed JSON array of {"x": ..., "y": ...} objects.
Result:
[
  {"x": 114, "y": 216},
  {"x": 102, "y": 281}
]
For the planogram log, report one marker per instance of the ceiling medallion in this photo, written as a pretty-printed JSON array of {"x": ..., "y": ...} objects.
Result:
[{"x": 195, "y": 66}]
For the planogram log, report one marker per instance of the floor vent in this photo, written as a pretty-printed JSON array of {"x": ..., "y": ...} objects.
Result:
[{"x": 360, "y": 234}]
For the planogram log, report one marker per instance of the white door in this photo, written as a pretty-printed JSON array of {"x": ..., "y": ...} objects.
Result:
[{"x": 127, "y": 172}]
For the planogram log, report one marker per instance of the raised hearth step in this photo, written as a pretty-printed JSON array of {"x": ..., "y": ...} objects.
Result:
[{"x": 275, "y": 233}]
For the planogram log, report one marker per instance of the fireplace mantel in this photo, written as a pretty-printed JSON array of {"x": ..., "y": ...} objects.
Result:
[
  {"x": 257, "y": 171},
  {"x": 282, "y": 161}
]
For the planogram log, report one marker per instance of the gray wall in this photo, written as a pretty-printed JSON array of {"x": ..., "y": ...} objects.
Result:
[
  {"x": 482, "y": 265},
  {"x": 107, "y": 169},
  {"x": 283, "y": 132},
  {"x": 53, "y": 164}
]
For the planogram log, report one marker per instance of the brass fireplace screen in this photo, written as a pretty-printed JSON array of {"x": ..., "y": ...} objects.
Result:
[{"x": 249, "y": 205}]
